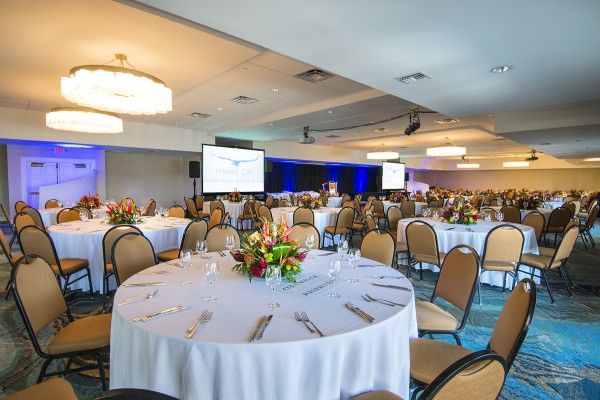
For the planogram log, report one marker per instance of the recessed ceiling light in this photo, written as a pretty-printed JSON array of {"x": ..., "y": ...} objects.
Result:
[
  {"x": 197, "y": 114},
  {"x": 381, "y": 130},
  {"x": 445, "y": 121},
  {"x": 592, "y": 159},
  {"x": 467, "y": 165},
  {"x": 244, "y": 100},
  {"x": 501, "y": 68},
  {"x": 330, "y": 112},
  {"x": 275, "y": 90},
  {"x": 515, "y": 164},
  {"x": 220, "y": 108}
]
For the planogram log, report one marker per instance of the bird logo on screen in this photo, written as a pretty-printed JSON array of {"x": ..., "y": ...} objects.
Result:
[
  {"x": 394, "y": 170},
  {"x": 234, "y": 162}
]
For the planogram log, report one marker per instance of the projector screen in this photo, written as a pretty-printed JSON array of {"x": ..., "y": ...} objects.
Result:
[
  {"x": 225, "y": 169},
  {"x": 393, "y": 176}
]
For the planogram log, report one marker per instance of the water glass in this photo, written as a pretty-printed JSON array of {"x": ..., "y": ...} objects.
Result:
[
  {"x": 229, "y": 242},
  {"x": 334, "y": 271},
  {"x": 186, "y": 259},
  {"x": 499, "y": 216},
  {"x": 426, "y": 212},
  {"x": 211, "y": 274},
  {"x": 353, "y": 258},
  {"x": 310, "y": 241},
  {"x": 83, "y": 216},
  {"x": 436, "y": 215},
  {"x": 273, "y": 281},
  {"x": 201, "y": 248},
  {"x": 487, "y": 217}
]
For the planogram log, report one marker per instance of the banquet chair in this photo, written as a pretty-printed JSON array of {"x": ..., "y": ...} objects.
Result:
[
  {"x": 246, "y": 215},
  {"x": 11, "y": 226},
  {"x": 282, "y": 203},
  {"x": 557, "y": 222},
  {"x": 585, "y": 229},
  {"x": 67, "y": 215},
  {"x": 131, "y": 253},
  {"x": 19, "y": 205},
  {"x": 35, "y": 214},
  {"x": 200, "y": 207},
  {"x": 429, "y": 358},
  {"x": 52, "y": 389},
  {"x": 40, "y": 302},
  {"x": 216, "y": 217},
  {"x": 108, "y": 240},
  {"x": 21, "y": 221},
  {"x": 408, "y": 209},
  {"x": 553, "y": 262},
  {"x": 35, "y": 241},
  {"x": 275, "y": 203},
  {"x": 478, "y": 202},
  {"x": 569, "y": 205},
  {"x": 419, "y": 197},
  {"x": 195, "y": 231},
  {"x": 348, "y": 203},
  {"x": 584, "y": 214},
  {"x": 378, "y": 210},
  {"x": 359, "y": 225},
  {"x": 219, "y": 204},
  {"x": 433, "y": 203},
  {"x": 215, "y": 237},
  {"x": 300, "y": 231},
  {"x": 422, "y": 245},
  {"x": 502, "y": 253},
  {"x": 488, "y": 210},
  {"x": 150, "y": 208},
  {"x": 191, "y": 207},
  {"x": 536, "y": 220},
  {"x": 176, "y": 211},
  {"x": 455, "y": 285},
  {"x": 394, "y": 215},
  {"x": 342, "y": 227},
  {"x": 52, "y": 203},
  {"x": 324, "y": 200},
  {"x": 264, "y": 213},
  {"x": 379, "y": 245},
  {"x": 133, "y": 394},
  {"x": 370, "y": 222},
  {"x": 269, "y": 201},
  {"x": 346, "y": 197},
  {"x": 12, "y": 259},
  {"x": 304, "y": 215},
  {"x": 511, "y": 213}
]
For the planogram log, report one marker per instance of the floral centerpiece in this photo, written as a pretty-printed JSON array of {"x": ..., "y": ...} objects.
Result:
[
  {"x": 309, "y": 202},
  {"x": 269, "y": 247},
  {"x": 397, "y": 197},
  {"x": 575, "y": 193},
  {"x": 326, "y": 193},
  {"x": 528, "y": 203},
  {"x": 235, "y": 196},
  {"x": 89, "y": 201},
  {"x": 465, "y": 214},
  {"x": 125, "y": 212}
]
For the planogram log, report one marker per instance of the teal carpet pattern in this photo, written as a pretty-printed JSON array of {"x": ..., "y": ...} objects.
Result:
[{"x": 560, "y": 358}]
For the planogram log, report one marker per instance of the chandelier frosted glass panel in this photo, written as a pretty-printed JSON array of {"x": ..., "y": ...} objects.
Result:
[
  {"x": 81, "y": 119},
  {"x": 446, "y": 149}
]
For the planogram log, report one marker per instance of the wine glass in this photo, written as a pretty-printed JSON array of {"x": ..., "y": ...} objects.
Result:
[
  {"x": 229, "y": 242},
  {"x": 487, "y": 217},
  {"x": 499, "y": 216},
  {"x": 273, "y": 281},
  {"x": 211, "y": 274},
  {"x": 426, "y": 212},
  {"x": 201, "y": 248},
  {"x": 310, "y": 241},
  {"x": 186, "y": 259},
  {"x": 334, "y": 271},
  {"x": 83, "y": 216},
  {"x": 436, "y": 215},
  {"x": 353, "y": 257}
]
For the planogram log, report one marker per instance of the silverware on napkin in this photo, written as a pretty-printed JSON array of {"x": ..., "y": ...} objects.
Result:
[
  {"x": 307, "y": 320},
  {"x": 326, "y": 254},
  {"x": 392, "y": 286},
  {"x": 167, "y": 311},
  {"x": 205, "y": 317},
  {"x": 261, "y": 321},
  {"x": 137, "y": 284},
  {"x": 264, "y": 327},
  {"x": 356, "y": 310},
  {"x": 369, "y": 298},
  {"x": 299, "y": 318},
  {"x": 146, "y": 296}
]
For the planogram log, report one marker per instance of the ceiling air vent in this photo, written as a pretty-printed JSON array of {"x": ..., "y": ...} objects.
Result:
[
  {"x": 413, "y": 77},
  {"x": 381, "y": 130},
  {"x": 197, "y": 114},
  {"x": 244, "y": 100},
  {"x": 315, "y": 75},
  {"x": 333, "y": 136}
]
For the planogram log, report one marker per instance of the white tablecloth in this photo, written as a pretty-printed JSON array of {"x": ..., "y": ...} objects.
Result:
[
  {"x": 418, "y": 206},
  {"x": 475, "y": 238},
  {"x": 49, "y": 215},
  {"x": 334, "y": 201},
  {"x": 553, "y": 204},
  {"x": 83, "y": 239},
  {"x": 288, "y": 363},
  {"x": 234, "y": 209},
  {"x": 324, "y": 216}
]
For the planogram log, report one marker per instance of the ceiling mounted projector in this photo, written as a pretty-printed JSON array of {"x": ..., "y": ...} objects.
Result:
[
  {"x": 533, "y": 157},
  {"x": 306, "y": 138},
  {"x": 414, "y": 123}
]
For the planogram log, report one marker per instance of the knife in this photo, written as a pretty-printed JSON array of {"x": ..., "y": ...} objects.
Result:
[
  {"x": 144, "y": 284},
  {"x": 360, "y": 310},
  {"x": 355, "y": 311},
  {"x": 261, "y": 321},
  {"x": 264, "y": 327},
  {"x": 392, "y": 286},
  {"x": 171, "y": 310}
]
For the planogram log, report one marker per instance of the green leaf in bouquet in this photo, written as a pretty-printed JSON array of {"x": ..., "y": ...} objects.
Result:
[{"x": 281, "y": 251}]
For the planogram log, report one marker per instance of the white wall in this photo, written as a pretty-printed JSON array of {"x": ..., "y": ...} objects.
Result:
[{"x": 3, "y": 180}]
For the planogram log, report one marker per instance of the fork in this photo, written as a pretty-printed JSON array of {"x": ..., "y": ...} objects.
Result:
[
  {"x": 300, "y": 319},
  {"x": 146, "y": 296},
  {"x": 307, "y": 320},
  {"x": 205, "y": 317},
  {"x": 389, "y": 277},
  {"x": 390, "y": 303}
]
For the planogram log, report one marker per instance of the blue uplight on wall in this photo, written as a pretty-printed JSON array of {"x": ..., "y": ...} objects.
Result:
[
  {"x": 360, "y": 179},
  {"x": 333, "y": 171},
  {"x": 289, "y": 172}
]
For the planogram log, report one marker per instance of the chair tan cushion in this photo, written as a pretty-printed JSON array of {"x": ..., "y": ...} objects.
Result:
[
  {"x": 242, "y": 217},
  {"x": 109, "y": 268},
  {"x": 538, "y": 261},
  {"x": 429, "y": 358},
  {"x": 70, "y": 265},
  {"x": 331, "y": 229},
  {"x": 357, "y": 226},
  {"x": 377, "y": 395},
  {"x": 168, "y": 255},
  {"x": 431, "y": 317},
  {"x": 490, "y": 265},
  {"x": 52, "y": 389},
  {"x": 82, "y": 334},
  {"x": 546, "y": 251},
  {"x": 429, "y": 259},
  {"x": 15, "y": 257}
]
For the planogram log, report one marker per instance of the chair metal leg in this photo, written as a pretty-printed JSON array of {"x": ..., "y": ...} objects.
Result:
[
  {"x": 457, "y": 338},
  {"x": 479, "y": 288},
  {"x": 504, "y": 283},
  {"x": 581, "y": 234},
  {"x": 43, "y": 370},
  {"x": 102, "y": 374},
  {"x": 90, "y": 281},
  {"x": 563, "y": 275},
  {"x": 547, "y": 286},
  {"x": 421, "y": 271}
]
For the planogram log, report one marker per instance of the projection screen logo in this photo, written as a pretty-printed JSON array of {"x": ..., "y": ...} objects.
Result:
[{"x": 244, "y": 172}]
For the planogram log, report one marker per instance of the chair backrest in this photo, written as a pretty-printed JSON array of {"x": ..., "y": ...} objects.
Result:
[
  {"x": 195, "y": 231},
  {"x": 512, "y": 324},
  {"x": 433, "y": 203},
  {"x": 378, "y": 245},
  {"x": 479, "y": 375},
  {"x": 191, "y": 206},
  {"x": 269, "y": 201},
  {"x": 67, "y": 215},
  {"x": 304, "y": 215},
  {"x": 346, "y": 197},
  {"x": 503, "y": 243},
  {"x": 536, "y": 220},
  {"x": 217, "y": 204},
  {"x": 559, "y": 218},
  {"x": 282, "y": 202},
  {"x": 265, "y": 212},
  {"x": 216, "y": 217},
  {"x": 511, "y": 214},
  {"x": 248, "y": 208},
  {"x": 324, "y": 200},
  {"x": 19, "y": 205},
  {"x": 5, "y": 247},
  {"x": 37, "y": 293},
  {"x": 111, "y": 236},
  {"x": 348, "y": 203},
  {"x": 394, "y": 214},
  {"x": 345, "y": 218},
  {"x": 5, "y": 213},
  {"x": 151, "y": 208},
  {"x": 52, "y": 203},
  {"x": 458, "y": 277},
  {"x": 22, "y": 220},
  {"x": 176, "y": 212},
  {"x": 565, "y": 247},
  {"x": 378, "y": 207},
  {"x": 408, "y": 208},
  {"x": 35, "y": 214},
  {"x": 50, "y": 389},
  {"x": 215, "y": 238},
  {"x": 370, "y": 222},
  {"x": 569, "y": 205},
  {"x": 421, "y": 241},
  {"x": 35, "y": 241},
  {"x": 133, "y": 394},
  {"x": 591, "y": 219},
  {"x": 300, "y": 231},
  {"x": 199, "y": 203},
  {"x": 131, "y": 253}
]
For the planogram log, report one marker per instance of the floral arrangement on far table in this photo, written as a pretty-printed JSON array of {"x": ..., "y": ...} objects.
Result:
[
  {"x": 465, "y": 214},
  {"x": 124, "y": 213},
  {"x": 268, "y": 247},
  {"x": 309, "y": 202},
  {"x": 529, "y": 203},
  {"x": 397, "y": 197},
  {"x": 89, "y": 201},
  {"x": 234, "y": 196},
  {"x": 326, "y": 193}
]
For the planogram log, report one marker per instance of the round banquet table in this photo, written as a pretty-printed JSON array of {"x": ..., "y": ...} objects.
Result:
[
  {"x": 418, "y": 206},
  {"x": 450, "y": 235},
  {"x": 553, "y": 204},
  {"x": 234, "y": 209},
  {"x": 49, "y": 215},
  {"x": 288, "y": 362},
  {"x": 324, "y": 216},
  {"x": 83, "y": 239}
]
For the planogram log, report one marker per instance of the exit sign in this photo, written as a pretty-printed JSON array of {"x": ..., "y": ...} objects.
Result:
[{"x": 59, "y": 151}]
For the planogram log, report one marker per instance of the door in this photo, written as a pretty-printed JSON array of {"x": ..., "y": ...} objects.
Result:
[{"x": 40, "y": 174}]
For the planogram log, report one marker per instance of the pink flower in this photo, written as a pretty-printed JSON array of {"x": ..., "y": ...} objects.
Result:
[
  {"x": 256, "y": 271},
  {"x": 301, "y": 256},
  {"x": 263, "y": 263}
]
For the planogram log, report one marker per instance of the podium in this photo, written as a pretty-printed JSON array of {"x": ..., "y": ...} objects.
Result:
[{"x": 331, "y": 187}]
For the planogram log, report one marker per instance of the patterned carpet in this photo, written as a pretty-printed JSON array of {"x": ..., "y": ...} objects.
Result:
[{"x": 560, "y": 358}]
